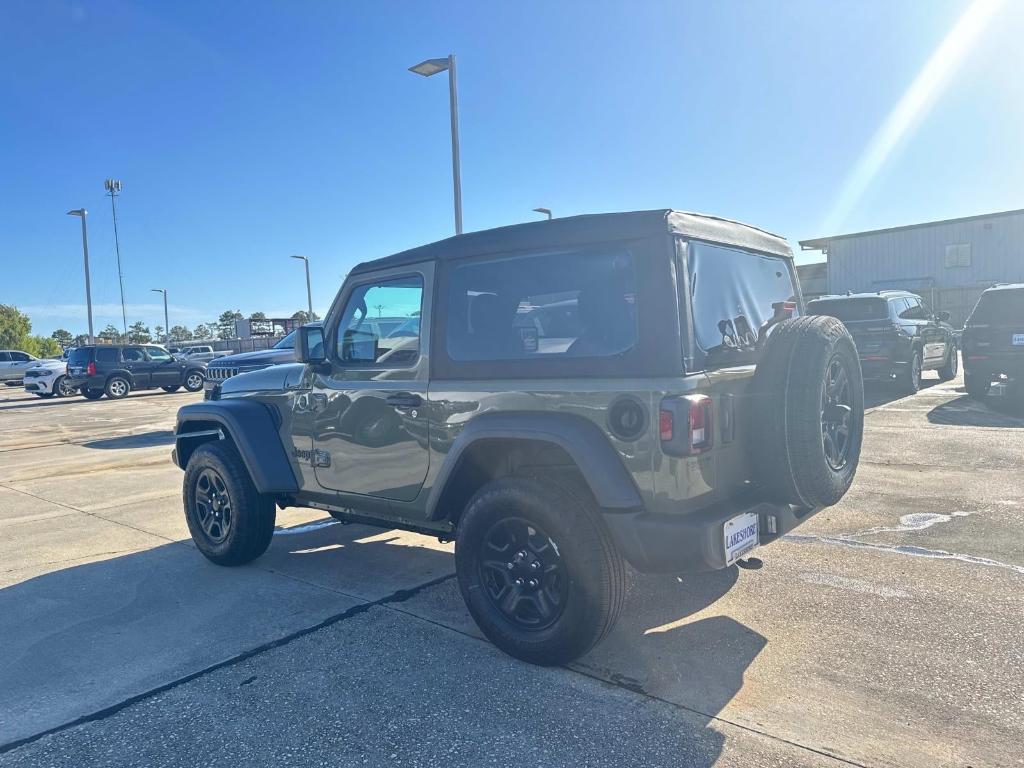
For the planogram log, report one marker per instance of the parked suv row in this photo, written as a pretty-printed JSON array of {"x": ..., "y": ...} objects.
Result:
[
  {"x": 115, "y": 370},
  {"x": 897, "y": 335}
]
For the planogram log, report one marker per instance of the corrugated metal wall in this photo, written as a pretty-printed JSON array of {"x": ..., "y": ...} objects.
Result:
[{"x": 915, "y": 260}]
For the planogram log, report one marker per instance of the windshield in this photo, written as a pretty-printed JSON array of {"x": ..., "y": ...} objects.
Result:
[
  {"x": 850, "y": 310},
  {"x": 1002, "y": 307},
  {"x": 288, "y": 342},
  {"x": 737, "y": 296}
]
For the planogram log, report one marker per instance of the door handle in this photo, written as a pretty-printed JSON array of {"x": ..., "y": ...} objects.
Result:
[{"x": 404, "y": 400}]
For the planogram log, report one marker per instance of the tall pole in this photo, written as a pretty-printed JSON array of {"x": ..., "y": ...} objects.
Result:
[
  {"x": 82, "y": 213},
  {"x": 453, "y": 97},
  {"x": 167, "y": 328},
  {"x": 113, "y": 186},
  {"x": 309, "y": 291}
]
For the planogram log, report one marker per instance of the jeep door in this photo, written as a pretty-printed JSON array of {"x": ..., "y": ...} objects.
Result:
[{"x": 369, "y": 401}]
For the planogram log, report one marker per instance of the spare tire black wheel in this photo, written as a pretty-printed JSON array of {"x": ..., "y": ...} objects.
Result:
[{"x": 806, "y": 416}]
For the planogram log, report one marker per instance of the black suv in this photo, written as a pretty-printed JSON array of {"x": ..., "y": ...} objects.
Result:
[
  {"x": 243, "y": 362},
  {"x": 115, "y": 370},
  {"x": 994, "y": 338},
  {"x": 897, "y": 336}
]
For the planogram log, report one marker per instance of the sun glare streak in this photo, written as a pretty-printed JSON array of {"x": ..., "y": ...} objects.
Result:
[{"x": 913, "y": 106}]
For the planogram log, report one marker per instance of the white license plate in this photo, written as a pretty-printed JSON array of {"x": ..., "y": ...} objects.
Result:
[
  {"x": 1018, "y": 340},
  {"x": 740, "y": 536}
]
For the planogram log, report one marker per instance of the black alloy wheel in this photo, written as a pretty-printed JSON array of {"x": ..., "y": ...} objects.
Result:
[
  {"x": 522, "y": 574},
  {"x": 213, "y": 508},
  {"x": 836, "y": 414}
]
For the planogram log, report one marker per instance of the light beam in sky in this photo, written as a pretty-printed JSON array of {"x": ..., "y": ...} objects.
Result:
[{"x": 912, "y": 107}]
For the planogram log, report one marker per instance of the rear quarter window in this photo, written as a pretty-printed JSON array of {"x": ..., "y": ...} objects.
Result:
[
  {"x": 107, "y": 355},
  {"x": 737, "y": 296}
]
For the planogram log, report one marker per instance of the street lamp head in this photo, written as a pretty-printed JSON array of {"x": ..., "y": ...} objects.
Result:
[
  {"x": 77, "y": 212},
  {"x": 431, "y": 67},
  {"x": 112, "y": 185},
  {"x": 158, "y": 290},
  {"x": 545, "y": 211},
  {"x": 304, "y": 258}
]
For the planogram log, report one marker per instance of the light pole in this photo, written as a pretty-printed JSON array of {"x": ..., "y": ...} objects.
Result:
[
  {"x": 113, "y": 187},
  {"x": 546, "y": 211},
  {"x": 309, "y": 292},
  {"x": 432, "y": 67},
  {"x": 82, "y": 213},
  {"x": 167, "y": 328}
]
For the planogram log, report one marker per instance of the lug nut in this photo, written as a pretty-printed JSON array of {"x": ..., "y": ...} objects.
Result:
[
  {"x": 519, "y": 582},
  {"x": 534, "y": 583},
  {"x": 535, "y": 564}
]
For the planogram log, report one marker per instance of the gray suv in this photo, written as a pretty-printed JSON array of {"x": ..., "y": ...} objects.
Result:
[{"x": 567, "y": 397}]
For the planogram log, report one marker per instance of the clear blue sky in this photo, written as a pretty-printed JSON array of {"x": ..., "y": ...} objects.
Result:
[{"x": 248, "y": 131}]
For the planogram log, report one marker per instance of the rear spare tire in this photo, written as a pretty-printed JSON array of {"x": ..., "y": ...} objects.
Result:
[{"x": 806, "y": 415}]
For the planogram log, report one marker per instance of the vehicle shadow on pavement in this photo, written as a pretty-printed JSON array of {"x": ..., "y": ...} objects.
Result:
[
  {"x": 1005, "y": 411},
  {"x": 75, "y": 401},
  {"x": 661, "y": 648},
  {"x": 882, "y": 393},
  {"x": 141, "y": 440}
]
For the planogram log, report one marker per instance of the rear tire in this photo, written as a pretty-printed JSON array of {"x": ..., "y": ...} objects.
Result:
[
  {"x": 118, "y": 387},
  {"x": 806, "y": 415},
  {"x": 92, "y": 394},
  {"x": 977, "y": 386},
  {"x": 519, "y": 530},
  {"x": 175, "y": 388},
  {"x": 910, "y": 379},
  {"x": 194, "y": 381},
  {"x": 951, "y": 367},
  {"x": 230, "y": 521}
]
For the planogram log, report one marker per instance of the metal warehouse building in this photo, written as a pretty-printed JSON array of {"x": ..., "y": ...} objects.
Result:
[{"x": 948, "y": 262}]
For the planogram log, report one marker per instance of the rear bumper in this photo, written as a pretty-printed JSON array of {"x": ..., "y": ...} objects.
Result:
[
  {"x": 994, "y": 365},
  {"x": 87, "y": 382},
  {"x": 695, "y": 542}
]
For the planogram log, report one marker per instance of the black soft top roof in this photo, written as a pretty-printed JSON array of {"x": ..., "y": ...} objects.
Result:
[{"x": 591, "y": 228}]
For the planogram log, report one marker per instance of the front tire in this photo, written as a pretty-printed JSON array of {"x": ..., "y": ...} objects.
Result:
[
  {"x": 538, "y": 570},
  {"x": 62, "y": 389},
  {"x": 951, "y": 367},
  {"x": 175, "y": 388},
  {"x": 118, "y": 387},
  {"x": 230, "y": 521},
  {"x": 193, "y": 381}
]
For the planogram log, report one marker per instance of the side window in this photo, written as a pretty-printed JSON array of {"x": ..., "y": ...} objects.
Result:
[
  {"x": 5, "y": 357},
  {"x": 158, "y": 355},
  {"x": 106, "y": 355},
  {"x": 20, "y": 357},
  {"x": 542, "y": 307},
  {"x": 914, "y": 311},
  {"x": 376, "y": 306},
  {"x": 133, "y": 355},
  {"x": 898, "y": 306}
]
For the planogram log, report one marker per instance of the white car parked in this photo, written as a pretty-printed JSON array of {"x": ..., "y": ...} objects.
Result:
[{"x": 48, "y": 378}]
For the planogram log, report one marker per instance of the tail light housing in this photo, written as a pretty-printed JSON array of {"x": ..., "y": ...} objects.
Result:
[
  {"x": 91, "y": 368},
  {"x": 686, "y": 425}
]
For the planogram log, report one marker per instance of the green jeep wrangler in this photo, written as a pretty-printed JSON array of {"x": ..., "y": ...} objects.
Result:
[{"x": 563, "y": 397}]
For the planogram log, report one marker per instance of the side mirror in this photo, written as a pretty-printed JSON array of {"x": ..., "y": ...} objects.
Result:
[
  {"x": 942, "y": 317},
  {"x": 309, "y": 345}
]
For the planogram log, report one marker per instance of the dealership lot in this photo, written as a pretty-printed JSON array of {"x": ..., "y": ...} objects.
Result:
[{"x": 884, "y": 632}]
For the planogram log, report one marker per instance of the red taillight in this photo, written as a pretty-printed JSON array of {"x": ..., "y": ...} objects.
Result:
[
  {"x": 91, "y": 368},
  {"x": 693, "y": 411},
  {"x": 665, "y": 425}
]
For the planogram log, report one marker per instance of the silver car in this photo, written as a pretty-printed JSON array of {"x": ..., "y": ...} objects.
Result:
[{"x": 13, "y": 364}]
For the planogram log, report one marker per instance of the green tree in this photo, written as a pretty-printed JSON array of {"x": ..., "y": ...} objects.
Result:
[
  {"x": 111, "y": 334},
  {"x": 202, "y": 332},
  {"x": 258, "y": 316},
  {"x": 226, "y": 324},
  {"x": 62, "y": 337},
  {"x": 80, "y": 340},
  {"x": 138, "y": 333},
  {"x": 158, "y": 333},
  {"x": 303, "y": 317},
  {"x": 41, "y": 346},
  {"x": 180, "y": 333},
  {"x": 14, "y": 327}
]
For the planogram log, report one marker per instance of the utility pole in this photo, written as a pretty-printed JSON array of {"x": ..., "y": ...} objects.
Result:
[
  {"x": 113, "y": 187},
  {"x": 82, "y": 213},
  {"x": 167, "y": 328},
  {"x": 309, "y": 291}
]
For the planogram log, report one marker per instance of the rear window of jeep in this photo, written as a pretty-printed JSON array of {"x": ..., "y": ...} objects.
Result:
[{"x": 549, "y": 306}]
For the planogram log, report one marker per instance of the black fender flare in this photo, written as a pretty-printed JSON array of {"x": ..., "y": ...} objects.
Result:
[
  {"x": 584, "y": 442},
  {"x": 251, "y": 427}
]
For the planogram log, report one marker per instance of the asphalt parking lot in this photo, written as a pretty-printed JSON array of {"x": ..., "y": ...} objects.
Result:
[{"x": 885, "y": 632}]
